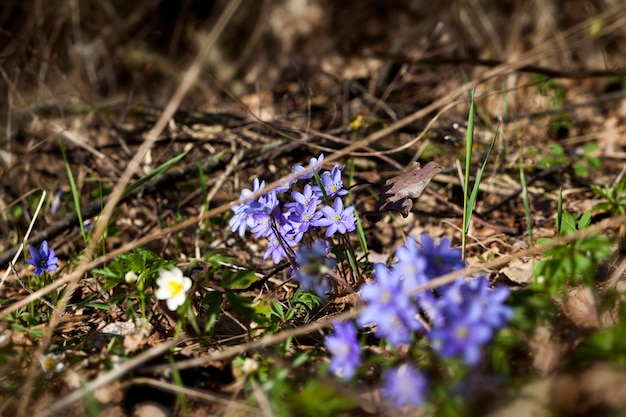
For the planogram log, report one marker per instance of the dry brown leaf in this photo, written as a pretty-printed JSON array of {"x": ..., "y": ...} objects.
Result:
[
  {"x": 581, "y": 307},
  {"x": 398, "y": 191},
  {"x": 546, "y": 351},
  {"x": 519, "y": 271}
]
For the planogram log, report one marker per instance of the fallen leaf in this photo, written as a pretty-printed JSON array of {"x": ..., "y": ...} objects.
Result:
[
  {"x": 581, "y": 307},
  {"x": 520, "y": 271},
  {"x": 398, "y": 191},
  {"x": 545, "y": 350}
]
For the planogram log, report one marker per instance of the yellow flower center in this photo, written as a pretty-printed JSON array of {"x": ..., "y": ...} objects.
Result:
[
  {"x": 174, "y": 287},
  {"x": 49, "y": 364}
]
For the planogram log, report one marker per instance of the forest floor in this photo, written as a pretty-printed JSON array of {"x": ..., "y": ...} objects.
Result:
[{"x": 131, "y": 130}]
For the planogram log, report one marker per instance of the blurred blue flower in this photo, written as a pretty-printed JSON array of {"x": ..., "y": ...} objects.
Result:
[
  {"x": 313, "y": 266},
  {"x": 42, "y": 259},
  {"x": 441, "y": 259},
  {"x": 473, "y": 313},
  {"x": 337, "y": 219},
  {"x": 463, "y": 335},
  {"x": 404, "y": 386},
  {"x": 345, "y": 349},
  {"x": 389, "y": 307},
  {"x": 56, "y": 202}
]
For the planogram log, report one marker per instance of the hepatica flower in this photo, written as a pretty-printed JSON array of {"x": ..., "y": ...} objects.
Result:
[
  {"x": 173, "y": 287},
  {"x": 473, "y": 313},
  {"x": 244, "y": 212},
  {"x": 441, "y": 259},
  {"x": 338, "y": 219},
  {"x": 312, "y": 162},
  {"x": 389, "y": 307},
  {"x": 345, "y": 350},
  {"x": 42, "y": 259},
  {"x": 332, "y": 182},
  {"x": 313, "y": 266},
  {"x": 404, "y": 386}
]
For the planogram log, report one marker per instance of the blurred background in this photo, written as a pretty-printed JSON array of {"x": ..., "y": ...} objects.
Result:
[{"x": 127, "y": 50}]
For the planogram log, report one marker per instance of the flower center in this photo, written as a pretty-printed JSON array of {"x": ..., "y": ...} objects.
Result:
[
  {"x": 175, "y": 288},
  {"x": 462, "y": 332}
]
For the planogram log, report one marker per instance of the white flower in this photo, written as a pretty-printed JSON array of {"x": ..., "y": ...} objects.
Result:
[
  {"x": 249, "y": 366},
  {"x": 130, "y": 277},
  {"x": 51, "y": 363},
  {"x": 173, "y": 287}
]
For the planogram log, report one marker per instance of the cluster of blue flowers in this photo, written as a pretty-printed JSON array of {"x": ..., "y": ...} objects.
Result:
[
  {"x": 285, "y": 225},
  {"x": 458, "y": 319}
]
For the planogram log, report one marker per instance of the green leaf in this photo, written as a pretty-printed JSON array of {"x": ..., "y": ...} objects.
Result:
[
  {"x": 568, "y": 223},
  {"x": 239, "y": 280},
  {"x": 212, "y": 306},
  {"x": 242, "y": 306}
]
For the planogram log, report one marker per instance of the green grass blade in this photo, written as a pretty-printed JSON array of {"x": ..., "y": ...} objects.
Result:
[
  {"x": 75, "y": 195},
  {"x": 161, "y": 168},
  {"x": 479, "y": 175},
  {"x": 469, "y": 143}
]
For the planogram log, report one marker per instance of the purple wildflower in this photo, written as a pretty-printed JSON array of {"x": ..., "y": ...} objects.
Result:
[
  {"x": 56, "y": 202},
  {"x": 337, "y": 219},
  {"x": 463, "y": 335},
  {"x": 244, "y": 212},
  {"x": 345, "y": 348},
  {"x": 389, "y": 307},
  {"x": 332, "y": 183},
  {"x": 472, "y": 313},
  {"x": 404, "y": 386},
  {"x": 42, "y": 259},
  {"x": 312, "y": 162},
  {"x": 494, "y": 312},
  {"x": 441, "y": 259},
  {"x": 313, "y": 265},
  {"x": 303, "y": 211},
  {"x": 276, "y": 247}
]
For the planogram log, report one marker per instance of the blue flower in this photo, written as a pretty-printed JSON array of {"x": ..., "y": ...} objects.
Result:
[
  {"x": 473, "y": 313},
  {"x": 303, "y": 211},
  {"x": 312, "y": 162},
  {"x": 441, "y": 259},
  {"x": 313, "y": 266},
  {"x": 333, "y": 185},
  {"x": 337, "y": 219},
  {"x": 389, "y": 307},
  {"x": 464, "y": 335},
  {"x": 42, "y": 260},
  {"x": 494, "y": 312},
  {"x": 404, "y": 386},
  {"x": 411, "y": 263},
  {"x": 276, "y": 247},
  {"x": 244, "y": 212},
  {"x": 345, "y": 350}
]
